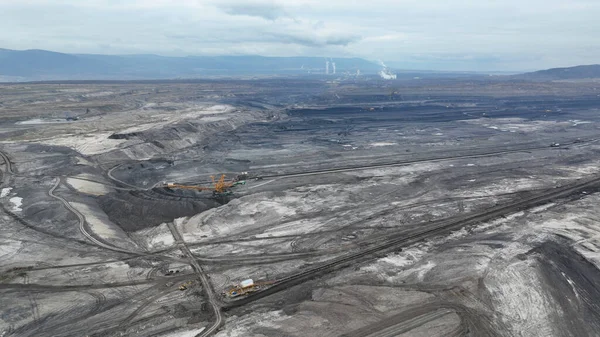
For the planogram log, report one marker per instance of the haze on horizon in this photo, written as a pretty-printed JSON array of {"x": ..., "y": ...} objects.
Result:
[{"x": 468, "y": 35}]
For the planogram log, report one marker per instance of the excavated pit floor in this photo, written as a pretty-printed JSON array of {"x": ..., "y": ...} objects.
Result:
[{"x": 336, "y": 169}]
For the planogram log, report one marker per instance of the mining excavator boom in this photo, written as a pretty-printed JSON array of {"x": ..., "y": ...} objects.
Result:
[
  {"x": 220, "y": 186},
  {"x": 189, "y": 187}
]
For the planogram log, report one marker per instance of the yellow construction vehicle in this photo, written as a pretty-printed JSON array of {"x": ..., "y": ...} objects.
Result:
[{"x": 186, "y": 285}]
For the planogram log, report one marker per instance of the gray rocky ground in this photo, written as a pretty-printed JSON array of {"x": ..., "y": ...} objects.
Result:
[{"x": 404, "y": 208}]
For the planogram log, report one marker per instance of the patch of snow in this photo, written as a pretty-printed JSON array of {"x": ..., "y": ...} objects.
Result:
[
  {"x": 83, "y": 161},
  {"x": 17, "y": 203},
  {"x": 503, "y": 186},
  {"x": 189, "y": 333},
  {"x": 422, "y": 270},
  {"x": 162, "y": 240},
  {"x": 219, "y": 108},
  {"x": 101, "y": 226},
  {"x": 155, "y": 237},
  {"x": 520, "y": 301},
  {"x": 5, "y": 191},
  {"x": 592, "y": 167},
  {"x": 398, "y": 260},
  {"x": 402, "y": 261},
  {"x": 245, "y": 324},
  {"x": 405, "y": 258},
  {"x": 515, "y": 215},
  {"x": 88, "y": 144},
  {"x": 383, "y": 144},
  {"x": 88, "y": 187},
  {"x": 566, "y": 226},
  {"x": 572, "y": 284},
  {"x": 202, "y": 112},
  {"x": 292, "y": 228},
  {"x": 542, "y": 208},
  {"x": 98, "y": 94},
  {"x": 264, "y": 206},
  {"x": 8, "y": 248},
  {"x": 513, "y": 124},
  {"x": 43, "y": 121},
  {"x": 460, "y": 233},
  {"x": 577, "y": 122}
]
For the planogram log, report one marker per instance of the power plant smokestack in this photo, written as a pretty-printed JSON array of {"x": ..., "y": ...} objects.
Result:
[{"x": 326, "y": 67}]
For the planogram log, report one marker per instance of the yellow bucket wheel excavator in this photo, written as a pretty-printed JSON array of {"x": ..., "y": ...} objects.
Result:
[{"x": 220, "y": 187}]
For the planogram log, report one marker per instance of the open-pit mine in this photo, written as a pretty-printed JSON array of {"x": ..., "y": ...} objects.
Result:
[{"x": 300, "y": 207}]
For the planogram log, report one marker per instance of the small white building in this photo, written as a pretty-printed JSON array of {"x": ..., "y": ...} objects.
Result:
[{"x": 247, "y": 283}]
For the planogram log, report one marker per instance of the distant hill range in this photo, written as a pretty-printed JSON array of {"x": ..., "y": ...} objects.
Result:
[
  {"x": 30, "y": 65},
  {"x": 571, "y": 73},
  {"x": 43, "y": 65}
]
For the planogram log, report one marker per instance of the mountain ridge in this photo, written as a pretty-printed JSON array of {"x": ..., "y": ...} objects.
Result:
[
  {"x": 564, "y": 73},
  {"x": 37, "y": 64}
]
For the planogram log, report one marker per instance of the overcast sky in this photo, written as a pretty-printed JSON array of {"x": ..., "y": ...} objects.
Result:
[{"x": 413, "y": 34}]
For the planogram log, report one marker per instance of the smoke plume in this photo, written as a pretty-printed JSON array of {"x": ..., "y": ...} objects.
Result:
[{"x": 386, "y": 73}]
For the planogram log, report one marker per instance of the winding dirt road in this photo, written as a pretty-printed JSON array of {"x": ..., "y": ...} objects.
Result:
[
  {"x": 82, "y": 222},
  {"x": 212, "y": 299}
]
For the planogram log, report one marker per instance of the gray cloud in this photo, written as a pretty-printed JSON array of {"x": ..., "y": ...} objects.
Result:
[
  {"x": 312, "y": 40},
  {"x": 441, "y": 34},
  {"x": 307, "y": 38},
  {"x": 266, "y": 10}
]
